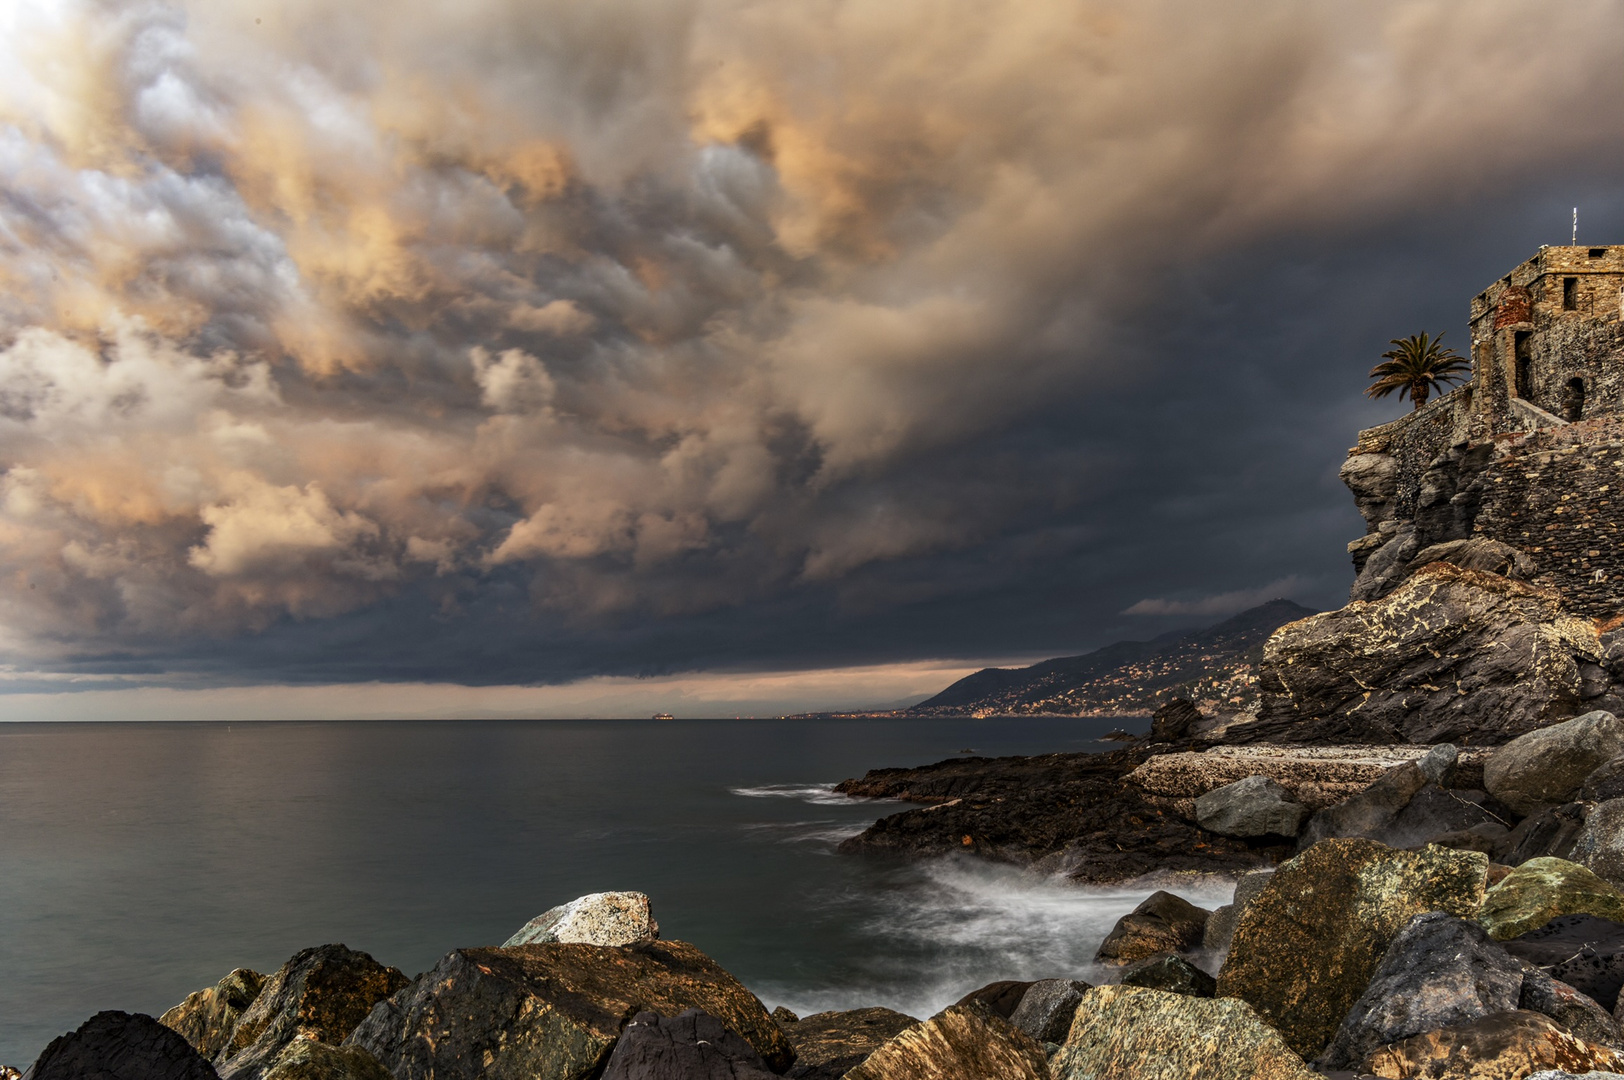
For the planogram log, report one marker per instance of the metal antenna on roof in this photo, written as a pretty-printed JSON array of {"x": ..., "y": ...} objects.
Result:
[{"x": 1575, "y": 226}]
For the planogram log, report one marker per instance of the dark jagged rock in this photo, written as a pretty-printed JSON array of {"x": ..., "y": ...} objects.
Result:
[
  {"x": 960, "y": 1041},
  {"x": 1549, "y": 766},
  {"x": 693, "y": 1045},
  {"x": 828, "y": 1045},
  {"x": 1306, "y": 947},
  {"x": 1606, "y": 782},
  {"x": 320, "y": 993},
  {"x": 1002, "y": 997},
  {"x": 1176, "y": 720},
  {"x": 1550, "y": 833},
  {"x": 1583, "y": 951},
  {"x": 1047, "y": 1008},
  {"x": 1505, "y": 1046},
  {"x": 1172, "y": 973},
  {"x": 207, "y": 1018},
  {"x": 552, "y": 1011},
  {"x": 1450, "y": 655},
  {"x": 1161, "y": 923},
  {"x": 1130, "y": 1033},
  {"x": 1575, "y": 1012},
  {"x": 120, "y": 1046},
  {"x": 1439, "y": 971},
  {"x": 1599, "y": 844},
  {"x": 305, "y": 1059}
]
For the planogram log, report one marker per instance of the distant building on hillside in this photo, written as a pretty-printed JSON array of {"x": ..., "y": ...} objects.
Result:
[{"x": 1528, "y": 454}]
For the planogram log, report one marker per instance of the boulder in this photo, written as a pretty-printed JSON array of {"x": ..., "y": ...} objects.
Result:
[
  {"x": 1439, "y": 971},
  {"x": 120, "y": 1046},
  {"x": 1373, "y": 479},
  {"x": 551, "y": 1012},
  {"x": 1405, "y": 807},
  {"x": 1130, "y": 1033},
  {"x": 827, "y": 1045},
  {"x": 1451, "y": 655},
  {"x": 1551, "y": 831},
  {"x": 207, "y": 1018},
  {"x": 960, "y": 1041},
  {"x": 1002, "y": 997},
  {"x": 693, "y": 1045},
  {"x": 1307, "y": 945},
  {"x": 320, "y": 994},
  {"x": 1176, "y": 720},
  {"x": 1600, "y": 842},
  {"x": 1606, "y": 782},
  {"x": 1575, "y": 1012},
  {"x": 1549, "y": 766},
  {"x": 1162, "y": 923},
  {"x": 1172, "y": 973},
  {"x": 1255, "y": 806},
  {"x": 1221, "y": 923},
  {"x": 1505, "y": 1046},
  {"x": 605, "y": 918},
  {"x": 1583, "y": 951},
  {"x": 1046, "y": 1010},
  {"x": 1316, "y": 776},
  {"x": 1541, "y": 889},
  {"x": 304, "y": 1059}
]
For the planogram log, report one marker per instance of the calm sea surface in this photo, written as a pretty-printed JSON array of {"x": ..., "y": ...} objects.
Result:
[{"x": 140, "y": 862}]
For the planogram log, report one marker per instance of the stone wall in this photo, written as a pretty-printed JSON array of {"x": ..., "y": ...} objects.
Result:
[{"x": 1414, "y": 441}]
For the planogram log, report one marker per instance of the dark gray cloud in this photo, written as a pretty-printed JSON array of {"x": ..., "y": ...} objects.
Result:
[{"x": 547, "y": 342}]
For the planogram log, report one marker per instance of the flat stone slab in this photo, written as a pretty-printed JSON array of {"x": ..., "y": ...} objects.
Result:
[{"x": 1317, "y": 776}]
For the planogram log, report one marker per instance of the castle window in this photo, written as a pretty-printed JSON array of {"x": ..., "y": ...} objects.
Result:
[
  {"x": 1596, "y": 253},
  {"x": 1570, "y": 294},
  {"x": 1573, "y": 400},
  {"x": 1522, "y": 350}
]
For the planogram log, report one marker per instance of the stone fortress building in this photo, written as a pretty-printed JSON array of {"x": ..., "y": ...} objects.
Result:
[{"x": 1521, "y": 469}]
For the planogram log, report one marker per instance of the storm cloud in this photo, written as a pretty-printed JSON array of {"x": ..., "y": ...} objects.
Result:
[{"x": 500, "y": 341}]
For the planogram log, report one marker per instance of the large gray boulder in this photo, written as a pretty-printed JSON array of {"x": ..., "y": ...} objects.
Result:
[
  {"x": 120, "y": 1046},
  {"x": 1450, "y": 654},
  {"x": 960, "y": 1041},
  {"x": 1549, "y": 766},
  {"x": 1130, "y": 1033},
  {"x": 1046, "y": 1009},
  {"x": 1254, "y": 806},
  {"x": 1440, "y": 970},
  {"x": 605, "y": 918}
]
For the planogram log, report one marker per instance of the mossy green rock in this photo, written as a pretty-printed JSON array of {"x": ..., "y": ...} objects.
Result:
[
  {"x": 1306, "y": 947},
  {"x": 1541, "y": 889},
  {"x": 1132, "y": 1033},
  {"x": 305, "y": 1059}
]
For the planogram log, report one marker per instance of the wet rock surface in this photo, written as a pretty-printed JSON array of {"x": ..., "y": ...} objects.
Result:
[
  {"x": 1047, "y": 1008},
  {"x": 960, "y": 1041},
  {"x": 829, "y": 1044},
  {"x": 1002, "y": 997},
  {"x": 207, "y": 1018},
  {"x": 1583, "y": 951},
  {"x": 693, "y": 1044},
  {"x": 552, "y": 1012},
  {"x": 320, "y": 993},
  {"x": 1171, "y": 973},
  {"x": 1507, "y": 1046},
  {"x": 1306, "y": 947},
  {"x": 1161, "y": 923},
  {"x": 1130, "y": 1033},
  {"x": 120, "y": 1046}
]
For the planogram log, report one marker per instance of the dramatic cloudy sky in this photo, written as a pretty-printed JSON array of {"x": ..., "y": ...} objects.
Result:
[{"x": 697, "y": 342}]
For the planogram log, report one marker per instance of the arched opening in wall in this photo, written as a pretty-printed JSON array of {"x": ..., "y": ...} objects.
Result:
[
  {"x": 1573, "y": 400},
  {"x": 1522, "y": 348}
]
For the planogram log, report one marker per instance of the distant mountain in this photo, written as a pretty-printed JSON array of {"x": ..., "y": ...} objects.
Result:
[{"x": 1216, "y": 668}]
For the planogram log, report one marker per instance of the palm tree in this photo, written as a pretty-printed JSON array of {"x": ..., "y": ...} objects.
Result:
[{"x": 1416, "y": 366}]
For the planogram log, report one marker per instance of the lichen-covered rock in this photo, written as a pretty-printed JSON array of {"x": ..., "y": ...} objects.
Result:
[
  {"x": 1162, "y": 923},
  {"x": 120, "y": 1046},
  {"x": 1541, "y": 889},
  {"x": 1576, "y": 1013},
  {"x": 693, "y": 1044},
  {"x": 305, "y": 1059},
  {"x": 1253, "y": 806},
  {"x": 1506, "y": 1046},
  {"x": 1307, "y": 945},
  {"x": 1172, "y": 973},
  {"x": 605, "y": 918},
  {"x": 320, "y": 993},
  {"x": 1583, "y": 951},
  {"x": 960, "y": 1041},
  {"x": 1316, "y": 776},
  {"x": 1220, "y": 926},
  {"x": 1441, "y": 970},
  {"x": 1549, "y": 766},
  {"x": 1130, "y": 1033},
  {"x": 1450, "y": 655},
  {"x": 207, "y": 1018},
  {"x": 1047, "y": 1007},
  {"x": 551, "y": 1012},
  {"x": 827, "y": 1045}
]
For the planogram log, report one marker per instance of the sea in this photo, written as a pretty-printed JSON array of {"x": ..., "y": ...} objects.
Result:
[{"x": 142, "y": 861}]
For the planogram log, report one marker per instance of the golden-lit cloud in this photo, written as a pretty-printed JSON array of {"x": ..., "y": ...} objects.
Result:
[{"x": 301, "y": 305}]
